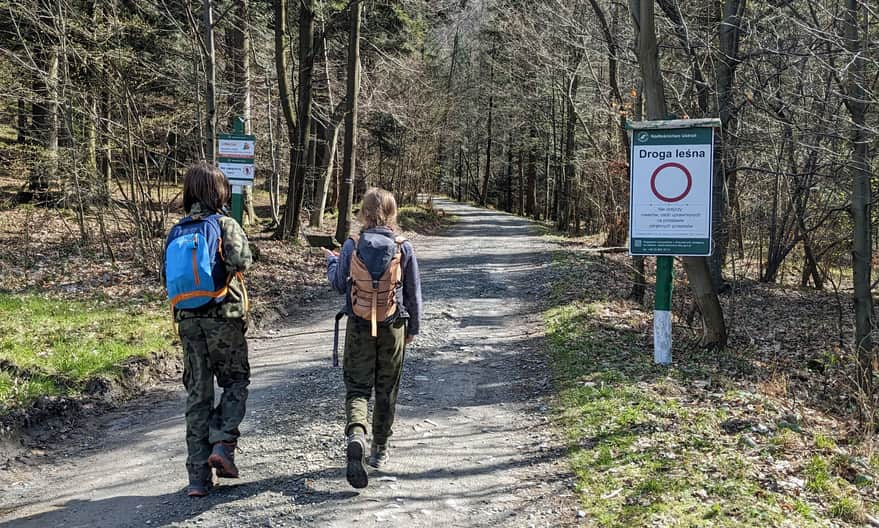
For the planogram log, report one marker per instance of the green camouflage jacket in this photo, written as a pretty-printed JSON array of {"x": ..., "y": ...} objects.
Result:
[{"x": 237, "y": 258}]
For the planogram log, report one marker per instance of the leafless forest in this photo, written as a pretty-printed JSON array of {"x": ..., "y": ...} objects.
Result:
[{"x": 515, "y": 105}]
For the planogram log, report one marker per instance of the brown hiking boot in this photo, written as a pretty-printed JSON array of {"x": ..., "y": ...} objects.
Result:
[
  {"x": 200, "y": 482},
  {"x": 356, "y": 472},
  {"x": 223, "y": 459}
]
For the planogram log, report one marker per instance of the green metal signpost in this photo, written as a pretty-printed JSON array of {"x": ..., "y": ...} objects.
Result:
[
  {"x": 671, "y": 180},
  {"x": 235, "y": 153}
]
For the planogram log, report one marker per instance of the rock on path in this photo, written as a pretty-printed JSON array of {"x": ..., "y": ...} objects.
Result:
[{"x": 472, "y": 443}]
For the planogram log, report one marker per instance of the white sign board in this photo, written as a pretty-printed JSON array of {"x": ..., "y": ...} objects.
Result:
[
  {"x": 239, "y": 172},
  {"x": 670, "y": 193},
  {"x": 235, "y": 148}
]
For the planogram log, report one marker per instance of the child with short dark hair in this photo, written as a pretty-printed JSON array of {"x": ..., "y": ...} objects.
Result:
[
  {"x": 205, "y": 255},
  {"x": 384, "y": 315}
]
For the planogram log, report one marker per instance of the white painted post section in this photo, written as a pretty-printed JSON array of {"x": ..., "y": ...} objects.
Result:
[{"x": 662, "y": 337}]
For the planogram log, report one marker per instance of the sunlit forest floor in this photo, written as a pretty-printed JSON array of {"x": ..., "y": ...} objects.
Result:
[{"x": 764, "y": 433}]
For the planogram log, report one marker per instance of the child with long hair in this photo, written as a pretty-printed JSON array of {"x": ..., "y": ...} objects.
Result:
[{"x": 378, "y": 273}]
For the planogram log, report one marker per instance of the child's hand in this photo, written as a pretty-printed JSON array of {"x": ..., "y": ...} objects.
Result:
[
  {"x": 329, "y": 253},
  {"x": 410, "y": 339}
]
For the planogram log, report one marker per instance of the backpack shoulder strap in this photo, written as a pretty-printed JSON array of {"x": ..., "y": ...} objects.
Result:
[
  {"x": 219, "y": 222},
  {"x": 400, "y": 240},
  {"x": 183, "y": 221}
]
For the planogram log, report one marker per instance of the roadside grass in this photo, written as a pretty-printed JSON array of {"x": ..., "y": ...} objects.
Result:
[
  {"x": 423, "y": 220},
  {"x": 688, "y": 445},
  {"x": 52, "y": 347}
]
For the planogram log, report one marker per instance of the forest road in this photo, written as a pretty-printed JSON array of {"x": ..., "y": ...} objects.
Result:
[{"x": 472, "y": 444}]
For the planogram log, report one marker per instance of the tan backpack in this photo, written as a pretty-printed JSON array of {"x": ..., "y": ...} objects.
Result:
[{"x": 375, "y": 300}]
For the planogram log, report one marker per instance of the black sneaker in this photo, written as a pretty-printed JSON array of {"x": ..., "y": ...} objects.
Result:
[
  {"x": 223, "y": 459},
  {"x": 356, "y": 473},
  {"x": 200, "y": 483},
  {"x": 379, "y": 455}
]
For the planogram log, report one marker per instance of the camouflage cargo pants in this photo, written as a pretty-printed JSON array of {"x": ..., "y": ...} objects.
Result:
[
  {"x": 373, "y": 363},
  {"x": 213, "y": 347}
]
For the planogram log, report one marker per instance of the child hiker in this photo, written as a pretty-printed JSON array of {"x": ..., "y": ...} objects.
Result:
[
  {"x": 205, "y": 255},
  {"x": 378, "y": 273}
]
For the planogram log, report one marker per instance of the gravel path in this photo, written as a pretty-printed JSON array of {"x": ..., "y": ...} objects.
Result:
[{"x": 472, "y": 443}]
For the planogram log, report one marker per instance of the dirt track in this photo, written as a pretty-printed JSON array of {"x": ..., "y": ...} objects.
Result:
[{"x": 472, "y": 443}]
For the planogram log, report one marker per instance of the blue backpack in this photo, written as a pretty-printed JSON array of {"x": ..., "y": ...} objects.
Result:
[{"x": 195, "y": 275}]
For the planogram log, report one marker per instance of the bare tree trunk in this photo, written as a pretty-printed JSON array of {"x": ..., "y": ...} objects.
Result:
[
  {"x": 273, "y": 145},
  {"x": 21, "y": 121},
  {"x": 724, "y": 174},
  {"x": 487, "y": 177},
  {"x": 330, "y": 137},
  {"x": 106, "y": 163},
  {"x": 44, "y": 129},
  {"x": 284, "y": 89},
  {"x": 461, "y": 172},
  {"x": 290, "y": 222},
  {"x": 441, "y": 154},
  {"x": 238, "y": 42},
  {"x": 311, "y": 181},
  {"x": 551, "y": 180},
  {"x": 211, "y": 77},
  {"x": 568, "y": 201},
  {"x": 520, "y": 206},
  {"x": 531, "y": 189},
  {"x": 547, "y": 198},
  {"x": 714, "y": 326},
  {"x": 508, "y": 205},
  {"x": 346, "y": 186},
  {"x": 639, "y": 278},
  {"x": 861, "y": 197},
  {"x": 91, "y": 128}
]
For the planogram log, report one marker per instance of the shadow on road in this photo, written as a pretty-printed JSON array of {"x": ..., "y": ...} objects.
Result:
[{"x": 141, "y": 510}]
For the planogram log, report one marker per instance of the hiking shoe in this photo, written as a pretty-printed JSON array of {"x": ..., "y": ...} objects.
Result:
[
  {"x": 200, "y": 483},
  {"x": 379, "y": 455},
  {"x": 356, "y": 473},
  {"x": 223, "y": 459}
]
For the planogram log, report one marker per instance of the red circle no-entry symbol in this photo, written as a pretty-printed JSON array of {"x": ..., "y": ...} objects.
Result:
[{"x": 671, "y": 199}]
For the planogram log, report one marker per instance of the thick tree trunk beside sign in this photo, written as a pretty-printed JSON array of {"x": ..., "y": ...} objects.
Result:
[{"x": 713, "y": 324}]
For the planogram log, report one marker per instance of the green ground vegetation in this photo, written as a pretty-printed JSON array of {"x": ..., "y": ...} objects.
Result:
[
  {"x": 54, "y": 346},
  {"x": 653, "y": 446},
  {"x": 422, "y": 219}
]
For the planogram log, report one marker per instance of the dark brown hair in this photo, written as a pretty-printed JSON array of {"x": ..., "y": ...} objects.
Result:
[
  {"x": 379, "y": 208},
  {"x": 205, "y": 184}
]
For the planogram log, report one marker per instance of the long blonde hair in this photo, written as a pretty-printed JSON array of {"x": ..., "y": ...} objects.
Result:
[{"x": 378, "y": 208}]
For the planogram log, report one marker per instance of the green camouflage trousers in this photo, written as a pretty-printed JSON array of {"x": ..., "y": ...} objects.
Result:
[
  {"x": 213, "y": 347},
  {"x": 373, "y": 362}
]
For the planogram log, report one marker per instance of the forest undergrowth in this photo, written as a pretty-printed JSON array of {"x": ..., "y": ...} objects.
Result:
[{"x": 759, "y": 434}]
